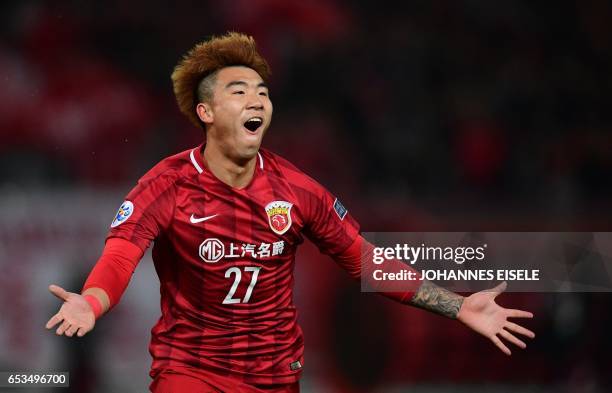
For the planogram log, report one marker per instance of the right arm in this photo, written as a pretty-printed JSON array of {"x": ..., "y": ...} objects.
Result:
[{"x": 147, "y": 210}]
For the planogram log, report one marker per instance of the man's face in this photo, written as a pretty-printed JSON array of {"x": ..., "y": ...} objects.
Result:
[{"x": 241, "y": 112}]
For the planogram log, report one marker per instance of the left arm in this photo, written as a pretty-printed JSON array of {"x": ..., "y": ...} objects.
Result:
[
  {"x": 331, "y": 228},
  {"x": 477, "y": 311}
]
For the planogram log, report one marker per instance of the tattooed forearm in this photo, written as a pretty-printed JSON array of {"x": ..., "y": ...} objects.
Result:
[{"x": 438, "y": 300}]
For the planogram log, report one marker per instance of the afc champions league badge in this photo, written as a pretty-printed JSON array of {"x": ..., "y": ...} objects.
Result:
[
  {"x": 125, "y": 211},
  {"x": 279, "y": 216}
]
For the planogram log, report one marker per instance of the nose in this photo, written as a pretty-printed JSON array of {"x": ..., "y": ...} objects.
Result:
[{"x": 255, "y": 102}]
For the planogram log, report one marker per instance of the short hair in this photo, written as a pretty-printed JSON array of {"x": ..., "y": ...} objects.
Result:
[{"x": 194, "y": 76}]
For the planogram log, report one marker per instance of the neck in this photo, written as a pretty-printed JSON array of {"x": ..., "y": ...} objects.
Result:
[{"x": 234, "y": 173}]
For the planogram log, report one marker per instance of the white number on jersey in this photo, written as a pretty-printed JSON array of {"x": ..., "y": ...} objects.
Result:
[{"x": 229, "y": 299}]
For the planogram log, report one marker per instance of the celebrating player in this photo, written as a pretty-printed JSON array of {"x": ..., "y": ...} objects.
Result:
[{"x": 226, "y": 218}]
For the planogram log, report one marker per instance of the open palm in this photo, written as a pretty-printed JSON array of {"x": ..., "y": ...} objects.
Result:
[
  {"x": 480, "y": 312},
  {"x": 75, "y": 314}
]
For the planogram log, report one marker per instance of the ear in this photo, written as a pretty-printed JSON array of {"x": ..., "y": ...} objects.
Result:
[{"x": 204, "y": 111}]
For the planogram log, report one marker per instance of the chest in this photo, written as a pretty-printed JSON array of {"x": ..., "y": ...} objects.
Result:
[{"x": 257, "y": 224}]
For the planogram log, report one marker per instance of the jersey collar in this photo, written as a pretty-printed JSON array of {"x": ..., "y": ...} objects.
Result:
[{"x": 196, "y": 159}]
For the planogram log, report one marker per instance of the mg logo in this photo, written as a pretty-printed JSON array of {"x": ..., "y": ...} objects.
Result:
[{"x": 212, "y": 250}]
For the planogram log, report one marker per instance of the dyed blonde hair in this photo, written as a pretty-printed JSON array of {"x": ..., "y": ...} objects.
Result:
[{"x": 194, "y": 77}]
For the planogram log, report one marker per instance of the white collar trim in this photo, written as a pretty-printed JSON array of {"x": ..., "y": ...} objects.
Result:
[
  {"x": 194, "y": 162},
  {"x": 260, "y": 160}
]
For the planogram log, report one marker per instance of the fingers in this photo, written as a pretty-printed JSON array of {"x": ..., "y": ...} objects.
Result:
[
  {"x": 499, "y": 344},
  {"x": 519, "y": 329},
  {"x": 512, "y": 313},
  {"x": 510, "y": 337},
  {"x": 71, "y": 330},
  {"x": 58, "y": 291},
  {"x": 82, "y": 331},
  {"x": 63, "y": 327},
  {"x": 499, "y": 289},
  {"x": 66, "y": 328},
  {"x": 54, "y": 320}
]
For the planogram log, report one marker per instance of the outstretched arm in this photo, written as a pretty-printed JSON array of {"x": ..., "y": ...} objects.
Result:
[{"x": 477, "y": 311}]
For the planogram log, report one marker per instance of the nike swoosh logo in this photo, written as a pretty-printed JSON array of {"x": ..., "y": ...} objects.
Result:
[{"x": 195, "y": 220}]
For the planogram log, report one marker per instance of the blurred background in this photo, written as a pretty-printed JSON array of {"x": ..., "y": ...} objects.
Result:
[{"x": 420, "y": 116}]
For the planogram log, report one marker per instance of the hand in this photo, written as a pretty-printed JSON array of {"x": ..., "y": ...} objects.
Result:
[
  {"x": 480, "y": 312},
  {"x": 75, "y": 314}
]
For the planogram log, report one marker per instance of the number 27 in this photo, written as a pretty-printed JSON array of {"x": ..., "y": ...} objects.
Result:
[{"x": 229, "y": 299}]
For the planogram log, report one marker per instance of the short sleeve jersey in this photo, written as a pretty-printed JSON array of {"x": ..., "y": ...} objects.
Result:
[{"x": 225, "y": 259}]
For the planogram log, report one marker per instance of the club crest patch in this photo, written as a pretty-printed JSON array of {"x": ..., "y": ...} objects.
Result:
[
  {"x": 279, "y": 216},
  {"x": 125, "y": 211}
]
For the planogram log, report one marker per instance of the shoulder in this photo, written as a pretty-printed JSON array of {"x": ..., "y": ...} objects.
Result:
[
  {"x": 171, "y": 169},
  {"x": 280, "y": 166}
]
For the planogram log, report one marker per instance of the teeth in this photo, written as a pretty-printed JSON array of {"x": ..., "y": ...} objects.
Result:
[{"x": 253, "y": 123}]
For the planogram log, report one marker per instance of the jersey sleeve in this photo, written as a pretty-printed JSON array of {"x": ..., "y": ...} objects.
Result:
[
  {"x": 146, "y": 212},
  {"x": 328, "y": 223}
]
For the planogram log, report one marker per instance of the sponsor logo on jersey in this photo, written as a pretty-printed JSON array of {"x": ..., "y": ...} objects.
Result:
[
  {"x": 212, "y": 250},
  {"x": 295, "y": 365},
  {"x": 125, "y": 211},
  {"x": 279, "y": 216},
  {"x": 339, "y": 209}
]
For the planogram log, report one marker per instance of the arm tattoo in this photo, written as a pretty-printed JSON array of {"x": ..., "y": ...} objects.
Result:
[{"x": 438, "y": 300}]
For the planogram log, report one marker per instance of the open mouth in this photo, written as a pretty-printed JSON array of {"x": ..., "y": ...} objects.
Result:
[{"x": 253, "y": 123}]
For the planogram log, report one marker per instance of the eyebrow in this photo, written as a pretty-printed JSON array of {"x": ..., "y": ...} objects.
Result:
[{"x": 242, "y": 83}]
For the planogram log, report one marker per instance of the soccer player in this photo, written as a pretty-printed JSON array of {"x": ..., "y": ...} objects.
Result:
[{"x": 226, "y": 218}]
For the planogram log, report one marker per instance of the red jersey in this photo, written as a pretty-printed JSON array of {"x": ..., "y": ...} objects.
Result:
[{"x": 225, "y": 261}]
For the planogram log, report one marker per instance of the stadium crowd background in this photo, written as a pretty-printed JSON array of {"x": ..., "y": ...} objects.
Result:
[{"x": 420, "y": 116}]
